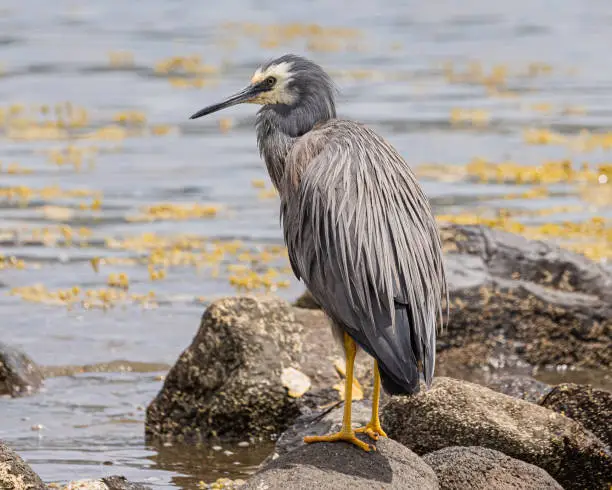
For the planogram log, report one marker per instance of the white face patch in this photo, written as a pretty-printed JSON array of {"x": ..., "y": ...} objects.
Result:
[{"x": 280, "y": 93}]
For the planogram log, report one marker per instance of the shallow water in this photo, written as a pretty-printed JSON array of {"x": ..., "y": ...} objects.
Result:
[{"x": 389, "y": 69}]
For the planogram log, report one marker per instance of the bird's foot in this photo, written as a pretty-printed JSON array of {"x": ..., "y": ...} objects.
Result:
[
  {"x": 373, "y": 430},
  {"x": 346, "y": 436}
]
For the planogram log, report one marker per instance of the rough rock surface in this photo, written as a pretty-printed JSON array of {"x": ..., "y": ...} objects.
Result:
[
  {"x": 342, "y": 466},
  {"x": 523, "y": 387},
  {"x": 85, "y": 485},
  {"x": 222, "y": 483},
  {"x": 19, "y": 375},
  {"x": 15, "y": 473},
  {"x": 321, "y": 423},
  {"x": 540, "y": 262},
  {"x": 589, "y": 406},
  {"x": 120, "y": 483},
  {"x": 545, "y": 304},
  {"x": 479, "y": 468},
  {"x": 108, "y": 483},
  {"x": 551, "y": 306},
  {"x": 458, "y": 413},
  {"x": 487, "y": 363},
  {"x": 227, "y": 383}
]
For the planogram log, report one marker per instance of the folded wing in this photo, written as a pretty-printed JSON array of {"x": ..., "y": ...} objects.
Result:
[{"x": 361, "y": 235}]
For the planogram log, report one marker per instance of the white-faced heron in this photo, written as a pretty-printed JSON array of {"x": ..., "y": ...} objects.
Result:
[{"x": 358, "y": 227}]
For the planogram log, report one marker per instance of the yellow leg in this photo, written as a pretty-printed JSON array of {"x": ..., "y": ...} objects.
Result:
[
  {"x": 346, "y": 433},
  {"x": 357, "y": 389},
  {"x": 373, "y": 428}
]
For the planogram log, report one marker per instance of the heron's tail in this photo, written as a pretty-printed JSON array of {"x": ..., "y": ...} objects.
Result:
[
  {"x": 394, "y": 386},
  {"x": 410, "y": 353}
]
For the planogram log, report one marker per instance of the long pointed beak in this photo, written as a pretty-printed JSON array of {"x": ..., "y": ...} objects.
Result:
[{"x": 244, "y": 95}]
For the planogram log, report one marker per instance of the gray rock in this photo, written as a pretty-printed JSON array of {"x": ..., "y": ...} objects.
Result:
[
  {"x": 479, "y": 468},
  {"x": 19, "y": 375},
  {"x": 108, "y": 483},
  {"x": 589, "y": 406},
  {"x": 88, "y": 484},
  {"x": 458, "y": 413},
  {"x": 511, "y": 256},
  {"x": 120, "y": 483},
  {"x": 523, "y": 387},
  {"x": 548, "y": 305},
  {"x": 321, "y": 423},
  {"x": 15, "y": 473},
  {"x": 342, "y": 466},
  {"x": 227, "y": 383}
]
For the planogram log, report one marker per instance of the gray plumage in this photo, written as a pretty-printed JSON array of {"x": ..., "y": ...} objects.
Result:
[{"x": 358, "y": 227}]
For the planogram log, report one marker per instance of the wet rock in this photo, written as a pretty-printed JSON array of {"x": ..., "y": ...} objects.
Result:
[
  {"x": 589, "y": 406},
  {"x": 342, "y": 466},
  {"x": 85, "y": 485},
  {"x": 223, "y": 483},
  {"x": 121, "y": 483},
  {"x": 479, "y": 468},
  {"x": 469, "y": 356},
  {"x": 229, "y": 382},
  {"x": 483, "y": 363},
  {"x": 19, "y": 375},
  {"x": 523, "y": 387},
  {"x": 546, "y": 304},
  {"x": 320, "y": 423},
  {"x": 118, "y": 366},
  {"x": 458, "y": 413},
  {"x": 108, "y": 483},
  {"x": 15, "y": 473}
]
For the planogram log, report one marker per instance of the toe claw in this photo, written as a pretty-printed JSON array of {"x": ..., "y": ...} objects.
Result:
[
  {"x": 373, "y": 431},
  {"x": 368, "y": 432}
]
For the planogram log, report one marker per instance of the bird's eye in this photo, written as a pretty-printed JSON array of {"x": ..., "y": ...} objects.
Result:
[{"x": 270, "y": 81}]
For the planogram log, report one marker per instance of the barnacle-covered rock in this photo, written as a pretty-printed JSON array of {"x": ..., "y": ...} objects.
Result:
[
  {"x": 458, "y": 413},
  {"x": 107, "y": 483},
  {"x": 479, "y": 468},
  {"x": 548, "y": 305},
  {"x": 331, "y": 466},
  {"x": 255, "y": 365},
  {"x": 15, "y": 473},
  {"x": 589, "y": 406},
  {"x": 520, "y": 386}
]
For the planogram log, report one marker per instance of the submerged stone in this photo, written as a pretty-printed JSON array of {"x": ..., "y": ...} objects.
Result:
[{"x": 19, "y": 375}]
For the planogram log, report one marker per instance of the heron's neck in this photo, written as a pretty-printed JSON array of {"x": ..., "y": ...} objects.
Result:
[
  {"x": 274, "y": 145},
  {"x": 279, "y": 127}
]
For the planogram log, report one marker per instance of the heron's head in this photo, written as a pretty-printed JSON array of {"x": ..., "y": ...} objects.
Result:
[{"x": 285, "y": 83}]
